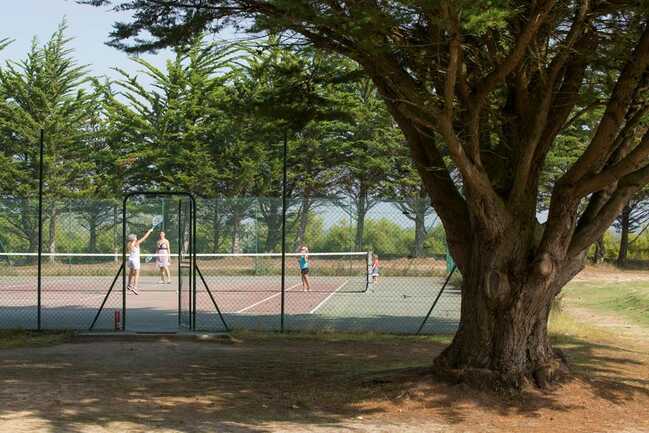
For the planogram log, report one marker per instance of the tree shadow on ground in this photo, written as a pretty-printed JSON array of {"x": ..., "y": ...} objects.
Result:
[
  {"x": 600, "y": 371},
  {"x": 243, "y": 387},
  {"x": 611, "y": 372}
]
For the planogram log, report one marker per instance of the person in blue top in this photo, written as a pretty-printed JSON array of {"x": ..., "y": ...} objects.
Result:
[{"x": 303, "y": 260}]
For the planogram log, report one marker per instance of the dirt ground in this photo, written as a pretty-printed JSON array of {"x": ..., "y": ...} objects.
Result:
[
  {"x": 610, "y": 273},
  {"x": 275, "y": 384},
  {"x": 319, "y": 384}
]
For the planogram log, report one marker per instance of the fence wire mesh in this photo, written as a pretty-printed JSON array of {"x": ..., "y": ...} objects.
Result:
[{"x": 374, "y": 265}]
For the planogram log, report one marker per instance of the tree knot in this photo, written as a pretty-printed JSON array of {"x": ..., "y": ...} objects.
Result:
[{"x": 544, "y": 264}]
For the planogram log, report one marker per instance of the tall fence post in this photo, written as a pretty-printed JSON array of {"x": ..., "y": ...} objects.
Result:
[
  {"x": 39, "y": 277},
  {"x": 124, "y": 223},
  {"x": 284, "y": 181}
]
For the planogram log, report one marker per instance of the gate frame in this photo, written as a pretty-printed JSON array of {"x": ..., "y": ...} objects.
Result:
[
  {"x": 192, "y": 252},
  {"x": 193, "y": 265}
]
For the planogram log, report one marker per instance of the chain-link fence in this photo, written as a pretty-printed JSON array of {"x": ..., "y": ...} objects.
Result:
[{"x": 373, "y": 265}]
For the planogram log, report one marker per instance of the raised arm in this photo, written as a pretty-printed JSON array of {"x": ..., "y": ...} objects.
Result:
[{"x": 143, "y": 238}]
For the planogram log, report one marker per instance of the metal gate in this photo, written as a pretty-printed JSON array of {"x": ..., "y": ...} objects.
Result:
[{"x": 186, "y": 261}]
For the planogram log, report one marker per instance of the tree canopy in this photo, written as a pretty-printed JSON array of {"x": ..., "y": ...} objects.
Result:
[{"x": 211, "y": 121}]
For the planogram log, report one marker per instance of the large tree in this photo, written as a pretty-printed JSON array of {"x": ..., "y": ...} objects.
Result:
[
  {"x": 496, "y": 81},
  {"x": 166, "y": 130},
  {"x": 50, "y": 91},
  {"x": 301, "y": 93}
]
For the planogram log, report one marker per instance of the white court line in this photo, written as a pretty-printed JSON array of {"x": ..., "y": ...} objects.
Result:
[
  {"x": 265, "y": 299},
  {"x": 317, "y": 307},
  {"x": 18, "y": 287}
]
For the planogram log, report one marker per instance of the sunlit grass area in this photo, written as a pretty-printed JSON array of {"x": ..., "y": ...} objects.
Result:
[{"x": 628, "y": 300}]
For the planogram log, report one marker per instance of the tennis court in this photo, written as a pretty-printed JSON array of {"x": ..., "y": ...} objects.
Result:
[{"x": 246, "y": 288}]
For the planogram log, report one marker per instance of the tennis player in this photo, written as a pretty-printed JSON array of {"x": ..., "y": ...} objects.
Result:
[
  {"x": 374, "y": 271},
  {"x": 163, "y": 256},
  {"x": 303, "y": 260},
  {"x": 133, "y": 261}
]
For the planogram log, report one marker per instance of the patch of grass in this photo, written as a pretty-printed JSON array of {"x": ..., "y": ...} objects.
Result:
[
  {"x": 626, "y": 299},
  {"x": 563, "y": 326},
  {"x": 341, "y": 336},
  {"x": 576, "y": 339},
  {"x": 16, "y": 339}
]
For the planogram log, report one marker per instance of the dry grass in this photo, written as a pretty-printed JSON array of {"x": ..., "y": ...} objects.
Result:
[{"x": 17, "y": 339}]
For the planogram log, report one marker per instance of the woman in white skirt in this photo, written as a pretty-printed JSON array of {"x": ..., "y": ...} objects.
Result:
[
  {"x": 133, "y": 261},
  {"x": 163, "y": 256}
]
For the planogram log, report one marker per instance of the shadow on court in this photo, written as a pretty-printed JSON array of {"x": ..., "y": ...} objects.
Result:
[
  {"x": 80, "y": 317},
  {"x": 252, "y": 385}
]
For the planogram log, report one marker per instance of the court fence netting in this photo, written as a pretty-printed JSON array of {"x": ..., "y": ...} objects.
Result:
[{"x": 381, "y": 267}]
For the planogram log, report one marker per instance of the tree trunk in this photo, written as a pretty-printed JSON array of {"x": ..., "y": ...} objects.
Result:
[
  {"x": 502, "y": 339},
  {"x": 115, "y": 243},
  {"x": 420, "y": 228},
  {"x": 236, "y": 233},
  {"x": 92, "y": 228},
  {"x": 29, "y": 226},
  {"x": 273, "y": 219},
  {"x": 216, "y": 229},
  {"x": 600, "y": 251},
  {"x": 625, "y": 224},
  {"x": 51, "y": 247},
  {"x": 167, "y": 211},
  {"x": 304, "y": 221}
]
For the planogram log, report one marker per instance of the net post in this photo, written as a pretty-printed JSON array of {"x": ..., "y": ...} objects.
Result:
[{"x": 39, "y": 280}]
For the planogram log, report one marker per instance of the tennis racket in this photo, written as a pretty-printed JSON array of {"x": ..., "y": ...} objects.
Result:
[{"x": 157, "y": 220}]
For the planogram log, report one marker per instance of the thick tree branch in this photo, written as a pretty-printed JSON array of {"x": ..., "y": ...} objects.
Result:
[
  {"x": 601, "y": 146},
  {"x": 511, "y": 61},
  {"x": 587, "y": 109},
  {"x": 553, "y": 106},
  {"x": 500, "y": 72},
  {"x": 589, "y": 233},
  {"x": 455, "y": 47},
  {"x": 634, "y": 161},
  {"x": 446, "y": 199}
]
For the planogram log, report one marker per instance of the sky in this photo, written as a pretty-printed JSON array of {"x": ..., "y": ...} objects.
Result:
[{"x": 22, "y": 20}]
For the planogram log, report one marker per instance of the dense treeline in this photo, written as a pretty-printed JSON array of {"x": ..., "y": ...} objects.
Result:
[{"x": 212, "y": 122}]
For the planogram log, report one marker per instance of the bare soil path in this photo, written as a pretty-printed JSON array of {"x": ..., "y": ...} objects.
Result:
[{"x": 272, "y": 384}]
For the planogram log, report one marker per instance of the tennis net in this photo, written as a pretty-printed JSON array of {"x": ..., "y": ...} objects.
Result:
[
  {"x": 345, "y": 272},
  {"x": 247, "y": 272}
]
